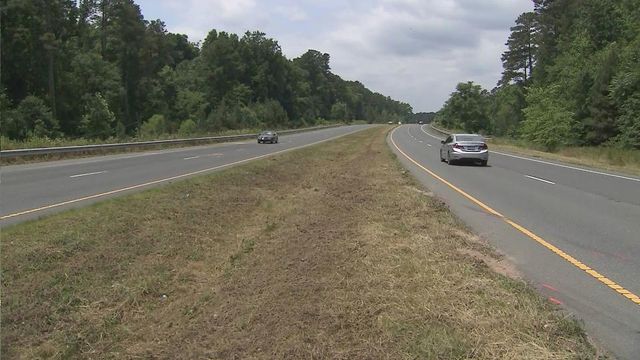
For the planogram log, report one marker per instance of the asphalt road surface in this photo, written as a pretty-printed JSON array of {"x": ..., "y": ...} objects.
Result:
[
  {"x": 574, "y": 233},
  {"x": 32, "y": 190}
]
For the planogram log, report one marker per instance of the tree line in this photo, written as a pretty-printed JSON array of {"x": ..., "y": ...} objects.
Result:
[
  {"x": 571, "y": 77},
  {"x": 425, "y": 117},
  {"x": 98, "y": 69}
]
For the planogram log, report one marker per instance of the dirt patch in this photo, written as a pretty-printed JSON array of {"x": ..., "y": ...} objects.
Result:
[
  {"x": 325, "y": 252},
  {"x": 501, "y": 266}
]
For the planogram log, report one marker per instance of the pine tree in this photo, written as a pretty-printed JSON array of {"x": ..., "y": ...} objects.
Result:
[{"x": 519, "y": 59}]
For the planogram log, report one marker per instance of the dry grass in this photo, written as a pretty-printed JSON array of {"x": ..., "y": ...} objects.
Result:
[{"x": 326, "y": 252}]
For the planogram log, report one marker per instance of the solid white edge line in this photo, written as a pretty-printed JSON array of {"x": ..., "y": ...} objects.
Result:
[
  {"x": 543, "y": 180},
  {"x": 550, "y": 163},
  {"x": 568, "y": 167},
  {"x": 424, "y": 131},
  {"x": 87, "y": 174}
]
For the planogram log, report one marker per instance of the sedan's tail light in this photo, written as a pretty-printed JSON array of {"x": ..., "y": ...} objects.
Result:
[
  {"x": 484, "y": 147},
  {"x": 458, "y": 146}
]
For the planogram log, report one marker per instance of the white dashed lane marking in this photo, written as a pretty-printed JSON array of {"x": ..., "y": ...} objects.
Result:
[
  {"x": 539, "y": 179},
  {"x": 88, "y": 174}
]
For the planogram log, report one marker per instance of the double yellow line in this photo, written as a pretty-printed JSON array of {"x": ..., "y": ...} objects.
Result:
[{"x": 573, "y": 261}]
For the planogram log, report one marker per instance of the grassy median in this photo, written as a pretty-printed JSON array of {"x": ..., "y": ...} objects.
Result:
[{"x": 327, "y": 252}]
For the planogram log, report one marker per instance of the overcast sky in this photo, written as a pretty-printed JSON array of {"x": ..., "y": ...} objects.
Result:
[{"x": 415, "y": 51}]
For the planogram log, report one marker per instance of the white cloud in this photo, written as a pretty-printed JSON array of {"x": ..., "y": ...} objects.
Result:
[
  {"x": 412, "y": 50},
  {"x": 292, "y": 12},
  {"x": 211, "y": 8}
]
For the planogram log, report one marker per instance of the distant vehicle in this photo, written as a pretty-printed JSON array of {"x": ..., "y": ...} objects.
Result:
[
  {"x": 420, "y": 122},
  {"x": 399, "y": 122},
  {"x": 268, "y": 137},
  {"x": 390, "y": 123},
  {"x": 464, "y": 147}
]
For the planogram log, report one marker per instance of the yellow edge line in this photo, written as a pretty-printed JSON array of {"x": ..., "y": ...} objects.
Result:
[
  {"x": 570, "y": 259},
  {"x": 94, "y": 196}
]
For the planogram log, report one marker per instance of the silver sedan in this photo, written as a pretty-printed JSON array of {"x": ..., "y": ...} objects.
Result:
[{"x": 461, "y": 147}]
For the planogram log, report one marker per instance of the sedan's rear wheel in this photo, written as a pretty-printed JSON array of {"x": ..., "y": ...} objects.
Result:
[
  {"x": 449, "y": 161},
  {"x": 483, "y": 163}
]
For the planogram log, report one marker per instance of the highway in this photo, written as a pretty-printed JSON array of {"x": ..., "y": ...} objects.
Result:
[
  {"x": 584, "y": 216},
  {"x": 33, "y": 190},
  {"x": 574, "y": 233}
]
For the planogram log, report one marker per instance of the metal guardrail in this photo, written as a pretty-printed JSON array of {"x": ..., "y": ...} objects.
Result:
[
  {"x": 8, "y": 154},
  {"x": 448, "y": 133},
  {"x": 439, "y": 130}
]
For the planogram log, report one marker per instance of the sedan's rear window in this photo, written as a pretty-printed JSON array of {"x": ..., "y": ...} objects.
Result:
[{"x": 470, "y": 138}]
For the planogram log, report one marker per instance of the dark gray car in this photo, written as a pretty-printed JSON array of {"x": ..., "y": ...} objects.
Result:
[
  {"x": 461, "y": 147},
  {"x": 268, "y": 137}
]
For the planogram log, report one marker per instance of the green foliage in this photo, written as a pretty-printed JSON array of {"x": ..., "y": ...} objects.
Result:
[
  {"x": 466, "y": 108},
  {"x": 64, "y": 52},
  {"x": 577, "y": 63},
  {"x": 587, "y": 54},
  {"x": 270, "y": 114},
  {"x": 425, "y": 117},
  {"x": 339, "y": 111},
  {"x": 32, "y": 117},
  {"x": 625, "y": 94},
  {"x": 98, "y": 121},
  {"x": 7, "y": 126},
  {"x": 120, "y": 130},
  {"x": 506, "y": 110},
  {"x": 518, "y": 60},
  {"x": 154, "y": 127},
  {"x": 230, "y": 117},
  {"x": 187, "y": 128},
  {"x": 629, "y": 123},
  {"x": 88, "y": 74},
  {"x": 547, "y": 121},
  {"x": 600, "y": 124}
]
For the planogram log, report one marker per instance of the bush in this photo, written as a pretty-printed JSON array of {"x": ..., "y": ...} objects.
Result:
[
  {"x": 547, "y": 122},
  {"x": 232, "y": 117},
  {"x": 121, "y": 130},
  {"x": 339, "y": 111},
  {"x": 270, "y": 113},
  {"x": 8, "y": 127},
  {"x": 31, "y": 113},
  {"x": 187, "y": 128},
  {"x": 154, "y": 127},
  {"x": 98, "y": 120}
]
